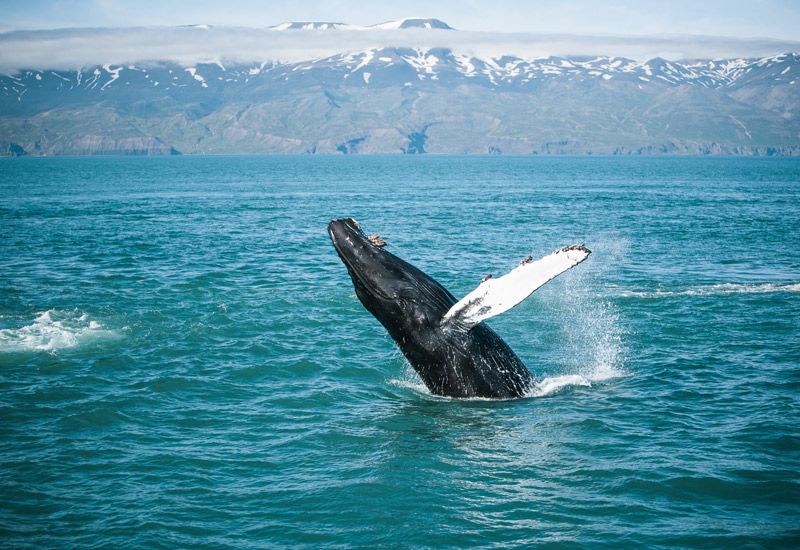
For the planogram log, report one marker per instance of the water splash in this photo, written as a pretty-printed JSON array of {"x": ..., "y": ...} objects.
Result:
[
  {"x": 54, "y": 330},
  {"x": 410, "y": 381},
  {"x": 554, "y": 384},
  {"x": 592, "y": 349}
]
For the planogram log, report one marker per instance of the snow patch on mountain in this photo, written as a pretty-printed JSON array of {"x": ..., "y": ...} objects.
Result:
[
  {"x": 313, "y": 26},
  {"x": 413, "y": 23},
  {"x": 386, "y": 67},
  {"x": 193, "y": 71},
  {"x": 114, "y": 75}
]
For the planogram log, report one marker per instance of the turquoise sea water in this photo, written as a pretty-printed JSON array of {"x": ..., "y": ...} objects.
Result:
[{"x": 184, "y": 363}]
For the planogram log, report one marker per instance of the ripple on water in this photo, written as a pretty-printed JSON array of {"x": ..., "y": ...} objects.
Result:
[{"x": 183, "y": 361}]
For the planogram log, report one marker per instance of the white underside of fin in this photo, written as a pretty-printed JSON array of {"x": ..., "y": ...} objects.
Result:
[{"x": 494, "y": 296}]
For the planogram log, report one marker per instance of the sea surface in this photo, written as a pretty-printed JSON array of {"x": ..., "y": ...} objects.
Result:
[{"x": 184, "y": 363}]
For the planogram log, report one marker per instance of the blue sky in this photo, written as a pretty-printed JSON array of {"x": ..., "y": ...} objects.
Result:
[{"x": 778, "y": 19}]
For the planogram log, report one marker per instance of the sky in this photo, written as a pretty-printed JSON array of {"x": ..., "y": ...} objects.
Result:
[{"x": 777, "y": 19}]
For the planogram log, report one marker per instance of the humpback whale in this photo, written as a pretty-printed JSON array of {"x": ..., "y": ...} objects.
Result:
[{"x": 445, "y": 340}]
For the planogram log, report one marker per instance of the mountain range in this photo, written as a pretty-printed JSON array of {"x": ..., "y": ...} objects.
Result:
[{"x": 406, "y": 100}]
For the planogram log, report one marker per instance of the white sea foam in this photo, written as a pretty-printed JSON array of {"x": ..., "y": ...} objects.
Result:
[
  {"x": 553, "y": 384},
  {"x": 55, "y": 330},
  {"x": 722, "y": 289},
  {"x": 411, "y": 382},
  {"x": 594, "y": 375},
  {"x": 547, "y": 386}
]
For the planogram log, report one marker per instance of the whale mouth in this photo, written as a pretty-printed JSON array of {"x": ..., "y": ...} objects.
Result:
[
  {"x": 342, "y": 232},
  {"x": 358, "y": 252},
  {"x": 347, "y": 232}
]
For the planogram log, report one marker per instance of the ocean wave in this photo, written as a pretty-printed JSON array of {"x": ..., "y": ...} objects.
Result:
[
  {"x": 554, "y": 384},
  {"x": 54, "y": 330},
  {"x": 721, "y": 289}
]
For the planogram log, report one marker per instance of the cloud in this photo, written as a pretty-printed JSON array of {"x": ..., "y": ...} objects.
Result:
[{"x": 74, "y": 48}]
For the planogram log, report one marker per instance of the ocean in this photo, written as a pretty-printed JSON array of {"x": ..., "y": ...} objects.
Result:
[{"x": 184, "y": 362}]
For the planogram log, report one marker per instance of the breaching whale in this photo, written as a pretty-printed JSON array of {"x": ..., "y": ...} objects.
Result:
[{"x": 444, "y": 339}]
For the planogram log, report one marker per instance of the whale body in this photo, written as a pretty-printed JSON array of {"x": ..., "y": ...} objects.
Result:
[{"x": 444, "y": 339}]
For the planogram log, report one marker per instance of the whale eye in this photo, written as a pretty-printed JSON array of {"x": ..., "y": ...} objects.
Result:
[{"x": 406, "y": 293}]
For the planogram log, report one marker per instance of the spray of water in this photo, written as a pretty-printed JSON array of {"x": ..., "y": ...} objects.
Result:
[
  {"x": 592, "y": 347},
  {"x": 54, "y": 330}
]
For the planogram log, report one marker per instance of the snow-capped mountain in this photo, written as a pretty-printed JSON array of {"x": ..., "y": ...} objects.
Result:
[
  {"x": 312, "y": 26},
  {"x": 414, "y": 23},
  {"x": 408, "y": 100},
  {"x": 407, "y": 67},
  {"x": 406, "y": 23}
]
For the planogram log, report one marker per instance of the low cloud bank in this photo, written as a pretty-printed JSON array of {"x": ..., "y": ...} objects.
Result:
[{"x": 74, "y": 48}]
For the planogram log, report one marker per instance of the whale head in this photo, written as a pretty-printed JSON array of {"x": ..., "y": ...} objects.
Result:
[{"x": 403, "y": 298}]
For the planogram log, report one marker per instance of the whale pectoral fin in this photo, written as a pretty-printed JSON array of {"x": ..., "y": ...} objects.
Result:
[{"x": 494, "y": 296}]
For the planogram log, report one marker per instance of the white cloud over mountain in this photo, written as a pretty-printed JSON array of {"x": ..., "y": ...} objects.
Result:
[{"x": 72, "y": 48}]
